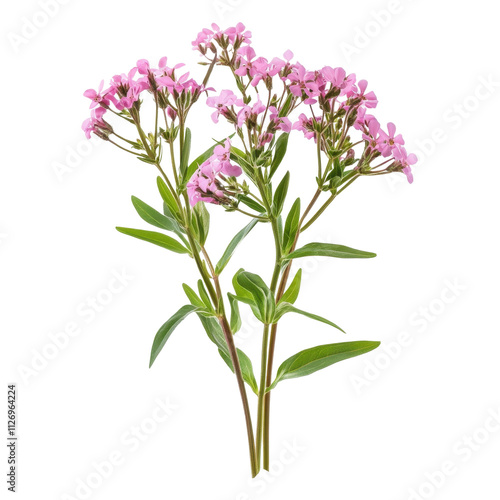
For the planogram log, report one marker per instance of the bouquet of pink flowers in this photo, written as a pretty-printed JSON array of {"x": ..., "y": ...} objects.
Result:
[{"x": 244, "y": 173}]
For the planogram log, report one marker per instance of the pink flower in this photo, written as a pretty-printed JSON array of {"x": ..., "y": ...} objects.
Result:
[
  {"x": 223, "y": 155},
  {"x": 249, "y": 114},
  {"x": 127, "y": 88},
  {"x": 96, "y": 124},
  {"x": 280, "y": 122},
  {"x": 370, "y": 99},
  {"x": 372, "y": 137},
  {"x": 390, "y": 141},
  {"x": 264, "y": 70},
  {"x": 303, "y": 81},
  {"x": 405, "y": 161},
  {"x": 305, "y": 125},
  {"x": 97, "y": 96},
  {"x": 206, "y": 183},
  {"x": 245, "y": 56},
  {"x": 238, "y": 33},
  {"x": 334, "y": 76},
  {"x": 221, "y": 103}
]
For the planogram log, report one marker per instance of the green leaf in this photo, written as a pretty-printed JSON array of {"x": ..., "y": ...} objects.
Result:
[
  {"x": 292, "y": 292},
  {"x": 241, "y": 159},
  {"x": 279, "y": 153},
  {"x": 280, "y": 195},
  {"x": 203, "y": 221},
  {"x": 152, "y": 216},
  {"x": 246, "y": 368},
  {"x": 166, "y": 330},
  {"x": 286, "y": 307},
  {"x": 235, "y": 322},
  {"x": 167, "y": 196},
  {"x": 319, "y": 357},
  {"x": 162, "y": 240},
  {"x": 186, "y": 149},
  {"x": 228, "y": 253},
  {"x": 214, "y": 331},
  {"x": 330, "y": 250},
  {"x": 240, "y": 291},
  {"x": 204, "y": 296},
  {"x": 193, "y": 167},
  {"x": 260, "y": 294},
  {"x": 193, "y": 296},
  {"x": 291, "y": 226},
  {"x": 215, "y": 334},
  {"x": 249, "y": 202}
]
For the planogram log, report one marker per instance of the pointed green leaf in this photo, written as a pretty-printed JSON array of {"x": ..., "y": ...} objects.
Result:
[
  {"x": 215, "y": 334},
  {"x": 291, "y": 226},
  {"x": 280, "y": 195},
  {"x": 246, "y": 368},
  {"x": 260, "y": 293},
  {"x": 204, "y": 296},
  {"x": 285, "y": 307},
  {"x": 193, "y": 166},
  {"x": 317, "y": 358},
  {"x": 251, "y": 203},
  {"x": 214, "y": 331},
  {"x": 228, "y": 253},
  {"x": 166, "y": 330},
  {"x": 159, "y": 239},
  {"x": 167, "y": 196},
  {"x": 203, "y": 221},
  {"x": 330, "y": 250},
  {"x": 279, "y": 153},
  {"x": 152, "y": 216},
  {"x": 235, "y": 322},
  {"x": 241, "y": 159},
  {"x": 193, "y": 297},
  {"x": 292, "y": 292},
  {"x": 186, "y": 149}
]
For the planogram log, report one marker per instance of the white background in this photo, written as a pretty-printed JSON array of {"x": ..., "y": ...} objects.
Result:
[{"x": 377, "y": 439}]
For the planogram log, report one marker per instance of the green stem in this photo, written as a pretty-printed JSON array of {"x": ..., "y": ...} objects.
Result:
[
  {"x": 262, "y": 446},
  {"x": 327, "y": 203},
  {"x": 272, "y": 341}
]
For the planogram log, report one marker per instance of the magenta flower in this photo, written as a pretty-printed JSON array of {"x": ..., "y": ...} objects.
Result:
[
  {"x": 221, "y": 103},
  {"x": 390, "y": 141},
  {"x": 97, "y": 96}
]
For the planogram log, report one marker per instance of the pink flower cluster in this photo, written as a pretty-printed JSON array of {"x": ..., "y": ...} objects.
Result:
[
  {"x": 125, "y": 91},
  {"x": 337, "y": 94},
  {"x": 235, "y": 36},
  {"x": 207, "y": 182}
]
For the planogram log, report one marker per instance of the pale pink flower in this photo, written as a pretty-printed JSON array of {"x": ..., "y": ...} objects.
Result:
[
  {"x": 221, "y": 103},
  {"x": 405, "y": 161},
  {"x": 390, "y": 141}
]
